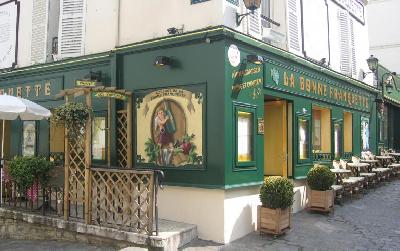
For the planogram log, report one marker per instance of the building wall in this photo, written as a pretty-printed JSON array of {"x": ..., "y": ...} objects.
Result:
[{"x": 384, "y": 40}]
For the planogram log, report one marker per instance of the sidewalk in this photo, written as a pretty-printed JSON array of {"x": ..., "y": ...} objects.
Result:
[{"x": 369, "y": 223}]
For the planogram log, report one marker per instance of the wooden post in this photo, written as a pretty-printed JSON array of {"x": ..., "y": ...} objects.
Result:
[
  {"x": 129, "y": 131},
  {"x": 109, "y": 132},
  {"x": 66, "y": 167},
  {"x": 88, "y": 160}
]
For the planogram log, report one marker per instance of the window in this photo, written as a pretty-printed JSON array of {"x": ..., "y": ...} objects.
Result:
[
  {"x": 28, "y": 138},
  {"x": 321, "y": 130},
  {"x": 303, "y": 139},
  {"x": 338, "y": 139},
  {"x": 197, "y": 1},
  {"x": 57, "y": 133},
  {"x": 348, "y": 132},
  {"x": 245, "y": 132},
  {"x": 99, "y": 139},
  {"x": 265, "y": 11}
]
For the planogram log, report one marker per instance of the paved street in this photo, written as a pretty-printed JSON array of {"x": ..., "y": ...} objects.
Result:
[
  {"x": 369, "y": 223},
  {"x": 21, "y": 245}
]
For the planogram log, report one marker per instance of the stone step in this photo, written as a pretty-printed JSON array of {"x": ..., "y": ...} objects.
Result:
[{"x": 19, "y": 225}]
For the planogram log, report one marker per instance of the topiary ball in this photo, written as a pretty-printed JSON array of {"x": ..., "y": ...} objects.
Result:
[
  {"x": 320, "y": 178},
  {"x": 276, "y": 192}
]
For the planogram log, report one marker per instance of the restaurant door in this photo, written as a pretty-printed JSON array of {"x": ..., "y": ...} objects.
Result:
[{"x": 277, "y": 137}]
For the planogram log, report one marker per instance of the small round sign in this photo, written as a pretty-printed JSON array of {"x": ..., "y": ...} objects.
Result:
[{"x": 234, "y": 55}]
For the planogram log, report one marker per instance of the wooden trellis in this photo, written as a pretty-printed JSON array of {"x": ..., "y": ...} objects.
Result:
[
  {"x": 122, "y": 139},
  {"x": 78, "y": 176}
]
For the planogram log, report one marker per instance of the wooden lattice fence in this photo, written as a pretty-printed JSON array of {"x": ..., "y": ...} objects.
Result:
[
  {"x": 122, "y": 138},
  {"x": 123, "y": 199}
]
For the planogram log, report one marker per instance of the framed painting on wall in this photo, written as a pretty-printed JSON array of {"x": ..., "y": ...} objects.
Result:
[{"x": 170, "y": 127}]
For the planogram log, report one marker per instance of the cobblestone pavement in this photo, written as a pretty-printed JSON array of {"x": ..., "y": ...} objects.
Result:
[
  {"x": 371, "y": 222},
  {"x": 22, "y": 245}
]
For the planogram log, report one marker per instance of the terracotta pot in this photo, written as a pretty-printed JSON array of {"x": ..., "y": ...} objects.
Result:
[{"x": 274, "y": 221}]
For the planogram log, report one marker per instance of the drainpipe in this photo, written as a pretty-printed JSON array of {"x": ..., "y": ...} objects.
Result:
[{"x": 118, "y": 23}]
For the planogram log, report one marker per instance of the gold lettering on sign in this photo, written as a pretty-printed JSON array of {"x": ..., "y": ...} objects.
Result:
[
  {"x": 248, "y": 84},
  {"x": 1, "y": 91},
  {"x": 302, "y": 83},
  {"x": 19, "y": 91},
  {"x": 38, "y": 87},
  {"x": 47, "y": 90},
  {"x": 27, "y": 90},
  {"x": 242, "y": 73},
  {"x": 285, "y": 79},
  {"x": 292, "y": 81},
  {"x": 10, "y": 91}
]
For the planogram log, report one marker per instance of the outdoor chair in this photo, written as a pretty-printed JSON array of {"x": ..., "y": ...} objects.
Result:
[
  {"x": 381, "y": 172},
  {"x": 366, "y": 172},
  {"x": 338, "y": 190},
  {"x": 349, "y": 186},
  {"x": 360, "y": 181}
]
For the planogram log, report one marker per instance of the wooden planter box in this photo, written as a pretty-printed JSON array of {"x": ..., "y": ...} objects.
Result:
[
  {"x": 274, "y": 221},
  {"x": 321, "y": 200}
]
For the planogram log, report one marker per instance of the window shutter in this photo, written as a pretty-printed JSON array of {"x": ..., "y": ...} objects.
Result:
[
  {"x": 294, "y": 29},
  {"x": 344, "y": 33},
  {"x": 72, "y": 27},
  {"x": 353, "y": 50},
  {"x": 254, "y": 24},
  {"x": 39, "y": 31}
]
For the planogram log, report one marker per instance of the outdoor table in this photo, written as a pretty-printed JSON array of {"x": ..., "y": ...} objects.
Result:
[
  {"x": 372, "y": 163},
  {"x": 338, "y": 172},
  {"x": 396, "y": 156},
  {"x": 385, "y": 160},
  {"x": 357, "y": 167}
]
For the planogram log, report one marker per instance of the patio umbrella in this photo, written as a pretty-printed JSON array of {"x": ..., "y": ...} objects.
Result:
[{"x": 12, "y": 108}]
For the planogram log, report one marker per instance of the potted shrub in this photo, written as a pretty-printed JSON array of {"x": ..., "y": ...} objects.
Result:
[
  {"x": 321, "y": 195},
  {"x": 274, "y": 213}
]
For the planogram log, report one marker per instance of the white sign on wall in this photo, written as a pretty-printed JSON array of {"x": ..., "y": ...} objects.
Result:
[
  {"x": 9, "y": 15},
  {"x": 354, "y": 7}
]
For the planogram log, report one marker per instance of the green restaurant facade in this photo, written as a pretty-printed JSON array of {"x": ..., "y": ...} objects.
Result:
[{"x": 219, "y": 113}]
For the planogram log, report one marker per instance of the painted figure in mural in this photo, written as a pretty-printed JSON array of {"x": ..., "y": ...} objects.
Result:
[
  {"x": 164, "y": 125},
  {"x": 365, "y": 134}
]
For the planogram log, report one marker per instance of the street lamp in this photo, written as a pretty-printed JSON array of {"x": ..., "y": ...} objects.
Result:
[
  {"x": 251, "y": 5},
  {"x": 387, "y": 79}
]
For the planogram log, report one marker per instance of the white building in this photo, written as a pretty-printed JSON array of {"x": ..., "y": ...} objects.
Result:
[
  {"x": 330, "y": 32},
  {"x": 383, "y": 36}
]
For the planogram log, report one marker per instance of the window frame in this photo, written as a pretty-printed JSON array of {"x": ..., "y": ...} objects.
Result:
[
  {"x": 242, "y": 107},
  {"x": 341, "y": 147},
  {"x": 306, "y": 117},
  {"x": 36, "y": 124},
  {"x": 197, "y": 1},
  {"x": 97, "y": 161}
]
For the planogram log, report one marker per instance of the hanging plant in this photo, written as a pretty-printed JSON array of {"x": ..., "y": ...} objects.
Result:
[{"x": 74, "y": 116}]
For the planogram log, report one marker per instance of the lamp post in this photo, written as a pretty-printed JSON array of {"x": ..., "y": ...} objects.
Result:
[
  {"x": 387, "y": 80},
  {"x": 251, "y": 5}
]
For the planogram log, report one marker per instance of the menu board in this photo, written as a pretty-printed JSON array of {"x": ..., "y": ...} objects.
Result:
[{"x": 9, "y": 14}]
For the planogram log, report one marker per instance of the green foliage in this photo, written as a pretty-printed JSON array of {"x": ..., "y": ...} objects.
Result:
[
  {"x": 25, "y": 170},
  {"x": 320, "y": 178},
  {"x": 73, "y": 115},
  {"x": 276, "y": 192},
  {"x": 152, "y": 150}
]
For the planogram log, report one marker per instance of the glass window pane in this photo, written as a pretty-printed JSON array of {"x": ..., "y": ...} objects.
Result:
[
  {"x": 316, "y": 130},
  {"x": 99, "y": 138},
  {"x": 338, "y": 140},
  {"x": 245, "y": 136},
  {"x": 303, "y": 139},
  {"x": 28, "y": 138}
]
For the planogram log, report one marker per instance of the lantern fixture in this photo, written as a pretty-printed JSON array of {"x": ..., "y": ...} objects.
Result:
[
  {"x": 372, "y": 63},
  {"x": 162, "y": 61},
  {"x": 255, "y": 59},
  {"x": 251, "y": 5}
]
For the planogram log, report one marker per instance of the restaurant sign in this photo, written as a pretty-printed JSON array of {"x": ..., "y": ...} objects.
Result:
[
  {"x": 37, "y": 90},
  {"x": 315, "y": 87},
  {"x": 110, "y": 94}
]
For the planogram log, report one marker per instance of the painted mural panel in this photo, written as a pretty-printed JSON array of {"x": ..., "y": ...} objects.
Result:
[
  {"x": 365, "y": 133},
  {"x": 170, "y": 127}
]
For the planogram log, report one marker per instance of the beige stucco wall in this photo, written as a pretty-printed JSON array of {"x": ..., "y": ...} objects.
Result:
[
  {"x": 220, "y": 215},
  {"x": 151, "y": 19}
]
